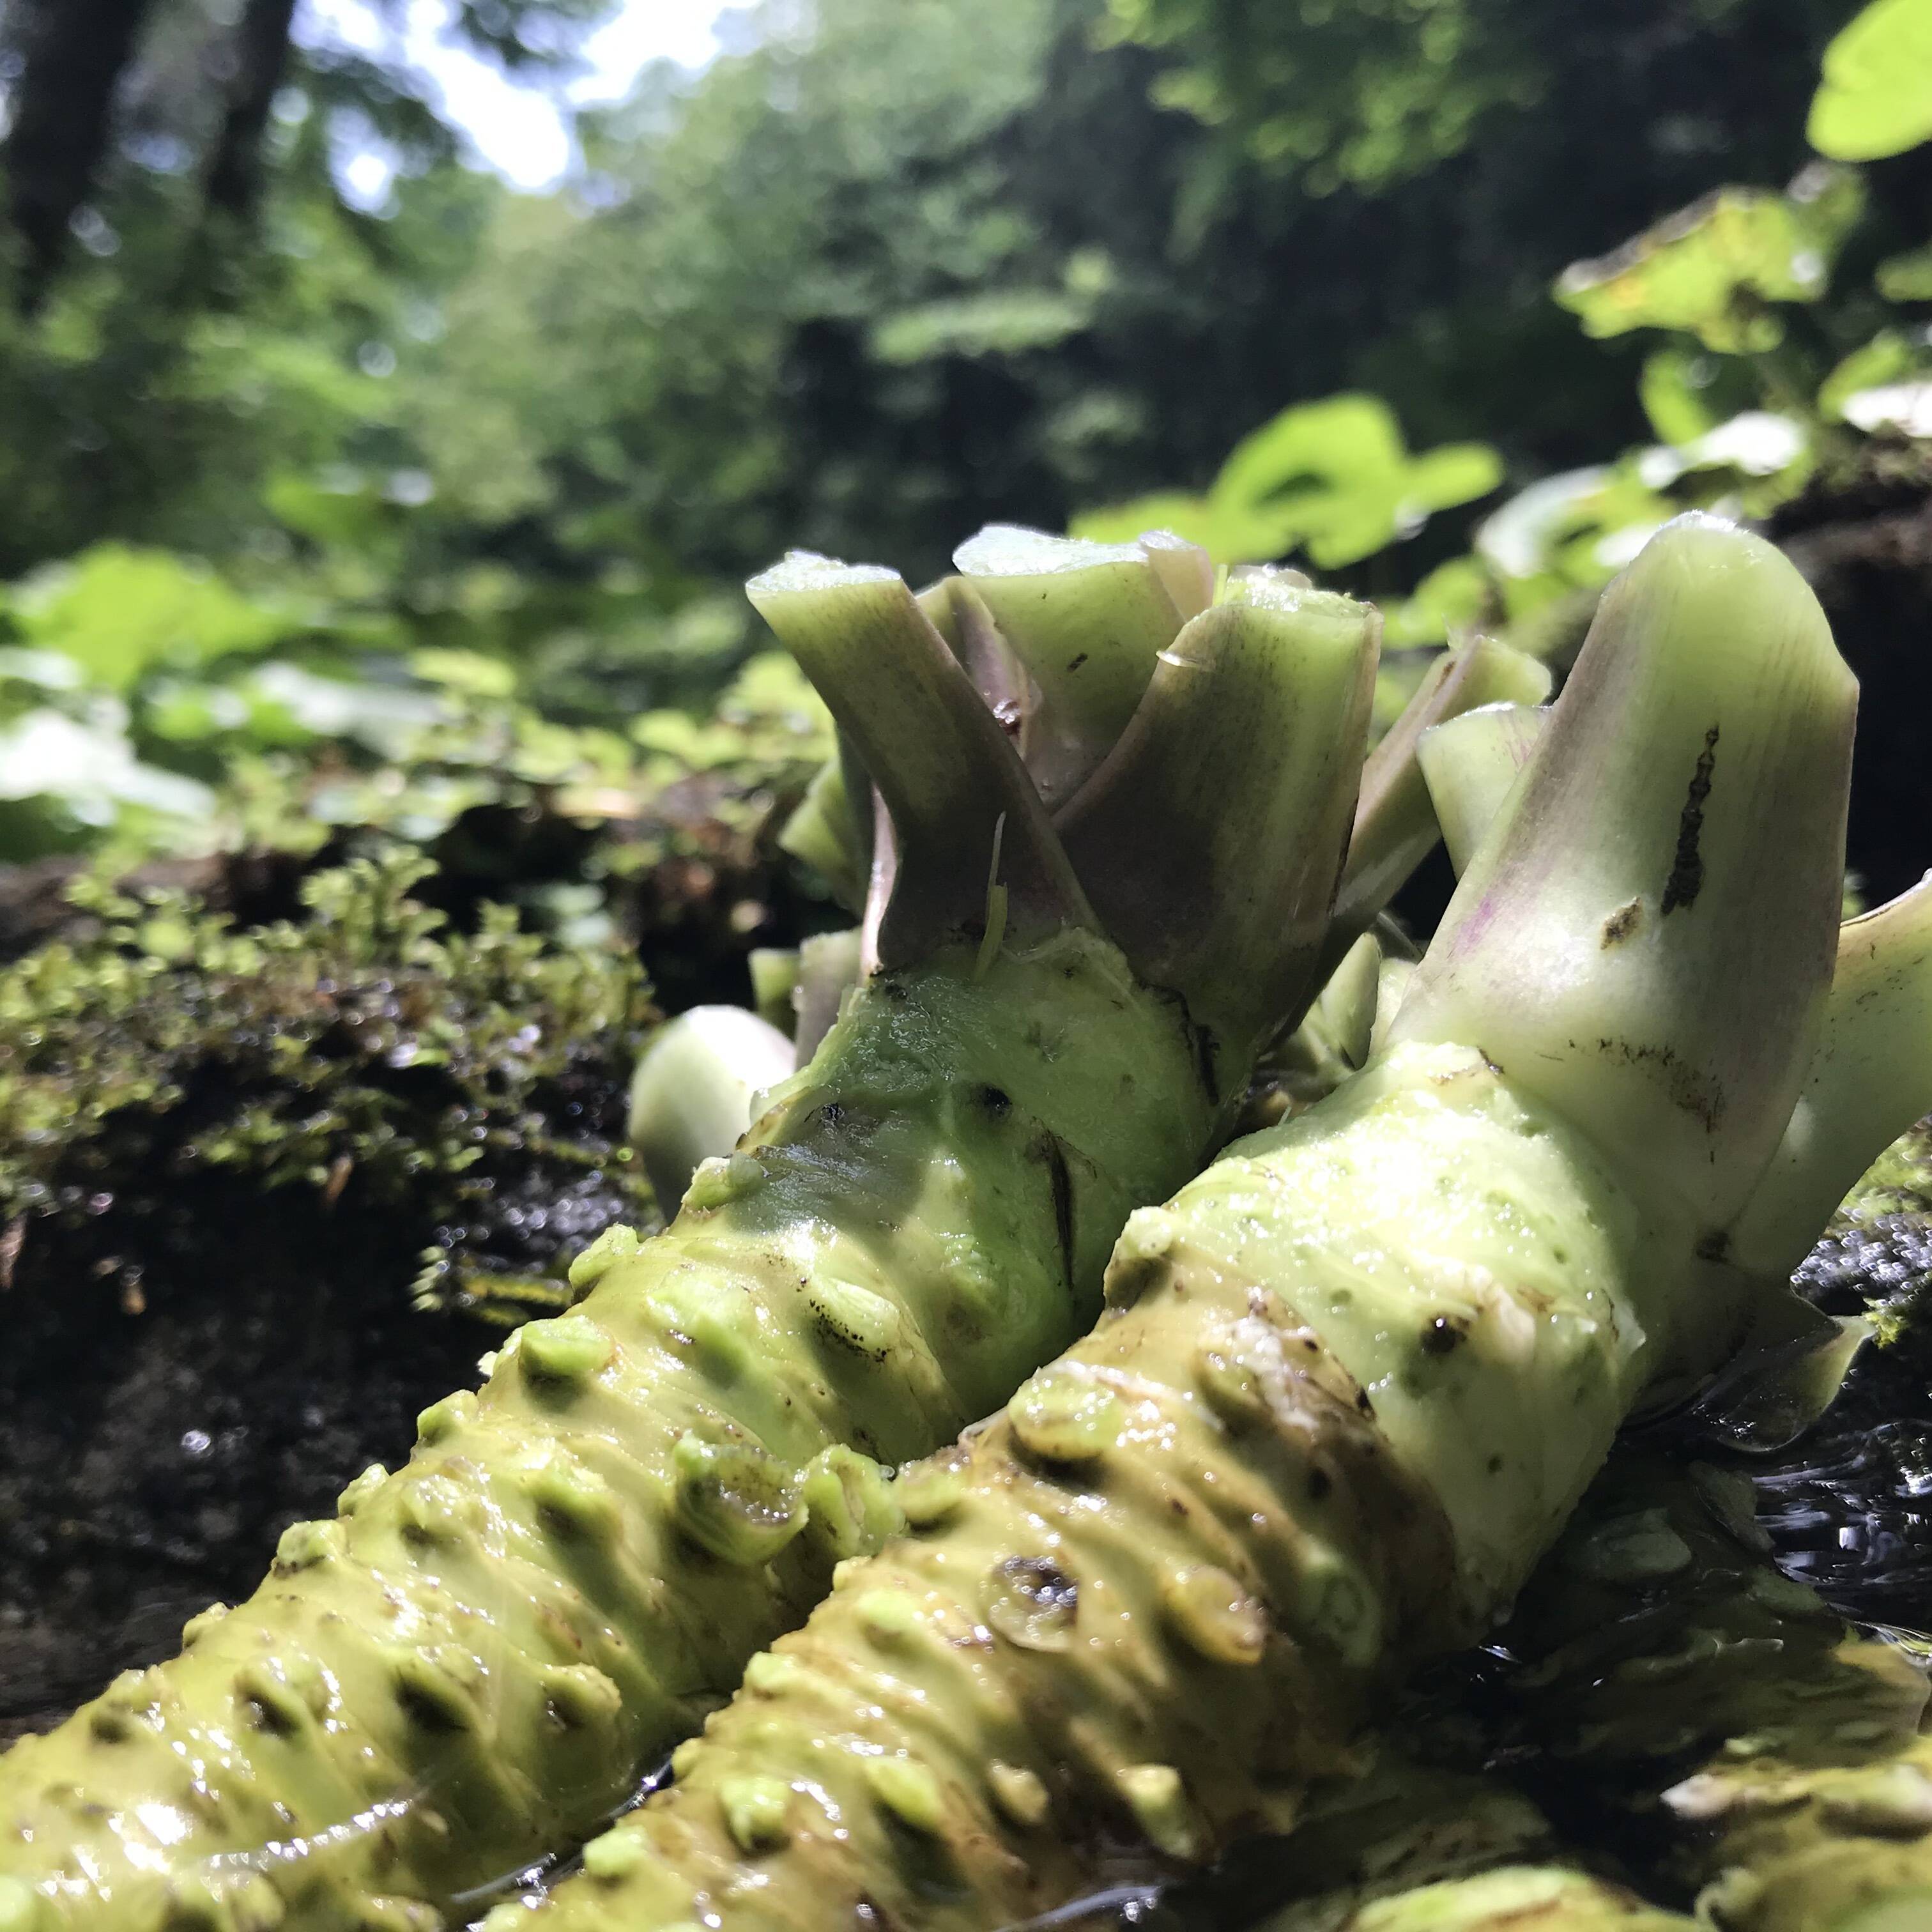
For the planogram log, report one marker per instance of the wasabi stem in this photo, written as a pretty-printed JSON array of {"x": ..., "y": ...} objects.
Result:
[
  {"x": 1698, "y": 851},
  {"x": 1396, "y": 827},
  {"x": 465, "y": 1668},
  {"x": 1512, "y": 1898},
  {"x": 1470, "y": 764},
  {"x": 1353, "y": 1379}
]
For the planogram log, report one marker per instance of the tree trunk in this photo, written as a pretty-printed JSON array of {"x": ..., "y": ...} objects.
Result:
[
  {"x": 72, "y": 53},
  {"x": 261, "y": 55}
]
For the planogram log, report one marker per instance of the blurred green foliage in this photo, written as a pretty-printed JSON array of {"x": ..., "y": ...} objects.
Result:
[
  {"x": 1876, "y": 98},
  {"x": 883, "y": 272},
  {"x": 148, "y": 704},
  {"x": 1764, "y": 302}
]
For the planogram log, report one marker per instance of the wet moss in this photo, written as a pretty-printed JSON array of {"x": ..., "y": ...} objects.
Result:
[{"x": 366, "y": 1059}]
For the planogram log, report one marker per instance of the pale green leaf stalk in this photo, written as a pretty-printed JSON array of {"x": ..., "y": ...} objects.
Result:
[
  {"x": 1335, "y": 1038},
  {"x": 1470, "y": 764},
  {"x": 824, "y": 832},
  {"x": 1207, "y": 906},
  {"x": 1873, "y": 1065},
  {"x": 1395, "y": 826},
  {"x": 774, "y": 971},
  {"x": 465, "y": 1667},
  {"x": 1087, "y": 620},
  {"x": 1353, "y": 1379},
  {"x": 830, "y": 966}
]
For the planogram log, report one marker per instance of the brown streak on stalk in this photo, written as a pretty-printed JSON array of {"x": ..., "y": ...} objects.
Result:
[
  {"x": 1702, "y": 1099},
  {"x": 1686, "y": 869}
]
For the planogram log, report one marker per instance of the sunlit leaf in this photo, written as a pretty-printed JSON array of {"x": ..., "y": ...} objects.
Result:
[
  {"x": 1907, "y": 277},
  {"x": 118, "y": 612},
  {"x": 469, "y": 672},
  {"x": 1000, "y": 322},
  {"x": 345, "y": 509},
  {"x": 1452, "y": 596},
  {"x": 1889, "y": 357},
  {"x": 1570, "y": 532},
  {"x": 1673, "y": 390},
  {"x": 1711, "y": 269},
  {"x": 1333, "y": 478},
  {"x": 92, "y": 774},
  {"x": 1456, "y": 472},
  {"x": 1193, "y": 517},
  {"x": 1876, "y": 98}
]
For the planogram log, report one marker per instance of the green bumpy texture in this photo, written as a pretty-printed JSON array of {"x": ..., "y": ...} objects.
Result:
[
  {"x": 466, "y": 1667},
  {"x": 1762, "y": 1754},
  {"x": 1149, "y": 1603}
]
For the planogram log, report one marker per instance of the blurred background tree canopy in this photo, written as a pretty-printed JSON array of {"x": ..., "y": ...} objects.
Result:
[{"x": 885, "y": 268}]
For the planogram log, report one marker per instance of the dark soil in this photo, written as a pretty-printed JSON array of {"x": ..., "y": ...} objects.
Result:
[
  {"x": 150, "y": 1455},
  {"x": 188, "y": 1371}
]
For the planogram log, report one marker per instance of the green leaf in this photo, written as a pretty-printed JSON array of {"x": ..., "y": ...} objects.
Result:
[
  {"x": 1454, "y": 473},
  {"x": 1907, "y": 277},
  {"x": 1710, "y": 270},
  {"x": 469, "y": 672},
  {"x": 1888, "y": 358},
  {"x": 1876, "y": 98},
  {"x": 1452, "y": 596},
  {"x": 1229, "y": 531},
  {"x": 1193, "y": 517},
  {"x": 1000, "y": 322},
  {"x": 117, "y": 612},
  {"x": 1673, "y": 395},
  {"x": 341, "y": 508},
  {"x": 1353, "y": 437},
  {"x": 1570, "y": 532},
  {"x": 92, "y": 771},
  {"x": 1332, "y": 476}
]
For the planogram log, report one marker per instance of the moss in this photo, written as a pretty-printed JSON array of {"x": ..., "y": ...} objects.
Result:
[{"x": 366, "y": 1058}]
